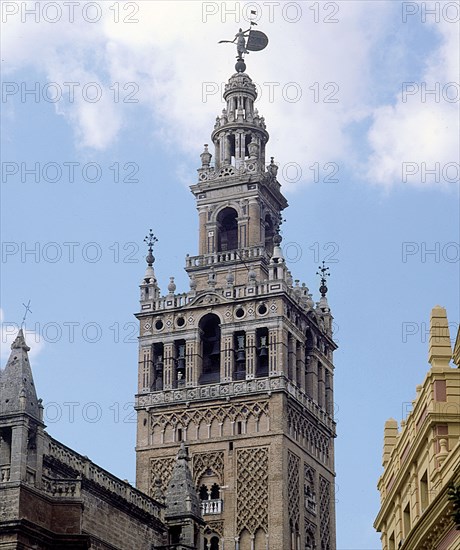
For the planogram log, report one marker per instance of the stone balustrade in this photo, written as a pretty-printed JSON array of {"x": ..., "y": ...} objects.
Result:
[
  {"x": 211, "y": 506},
  {"x": 62, "y": 488},
  {"x": 84, "y": 468}
]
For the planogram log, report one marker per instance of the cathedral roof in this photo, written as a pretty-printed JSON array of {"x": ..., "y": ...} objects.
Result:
[{"x": 17, "y": 389}]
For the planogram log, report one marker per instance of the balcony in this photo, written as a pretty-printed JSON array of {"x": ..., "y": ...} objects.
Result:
[{"x": 211, "y": 506}]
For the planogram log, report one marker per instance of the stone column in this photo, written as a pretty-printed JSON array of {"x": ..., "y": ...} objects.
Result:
[
  {"x": 272, "y": 351},
  {"x": 254, "y": 234},
  {"x": 329, "y": 393},
  {"x": 300, "y": 365},
  {"x": 250, "y": 354},
  {"x": 312, "y": 378},
  {"x": 168, "y": 372},
  {"x": 227, "y": 359},
  {"x": 321, "y": 386},
  {"x": 202, "y": 245},
  {"x": 191, "y": 361}
]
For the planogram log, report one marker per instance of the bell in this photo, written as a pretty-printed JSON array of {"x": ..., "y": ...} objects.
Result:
[
  {"x": 215, "y": 348},
  {"x": 240, "y": 356},
  {"x": 181, "y": 364},
  {"x": 263, "y": 351},
  {"x": 159, "y": 364}
]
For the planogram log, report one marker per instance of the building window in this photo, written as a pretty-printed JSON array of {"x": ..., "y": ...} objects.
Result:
[
  {"x": 424, "y": 492},
  {"x": 240, "y": 355},
  {"x": 227, "y": 223},
  {"x": 406, "y": 520},
  {"x": 210, "y": 351},
  {"x": 262, "y": 352}
]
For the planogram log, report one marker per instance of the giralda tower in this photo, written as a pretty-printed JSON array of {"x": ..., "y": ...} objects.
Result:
[{"x": 240, "y": 367}]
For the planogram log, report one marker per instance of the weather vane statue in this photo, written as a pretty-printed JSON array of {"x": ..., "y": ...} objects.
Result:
[{"x": 247, "y": 41}]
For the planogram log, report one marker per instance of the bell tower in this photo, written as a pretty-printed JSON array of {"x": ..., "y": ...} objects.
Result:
[{"x": 240, "y": 366}]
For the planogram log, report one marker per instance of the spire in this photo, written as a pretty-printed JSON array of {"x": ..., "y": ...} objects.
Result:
[
  {"x": 181, "y": 497},
  {"x": 16, "y": 382},
  {"x": 323, "y": 272},
  {"x": 149, "y": 286},
  {"x": 440, "y": 351}
]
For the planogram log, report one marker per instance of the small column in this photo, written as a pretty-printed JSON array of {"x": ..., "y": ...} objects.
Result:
[
  {"x": 291, "y": 358},
  {"x": 301, "y": 365},
  {"x": 250, "y": 354},
  {"x": 329, "y": 393},
  {"x": 227, "y": 359},
  {"x": 168, "y": 372},
  {"x": 272, "y": 351},
  {"x": 191, "y": 362},
  {"x": 321, "y": 386},
  {"x": 202, "y": 246},
  {"x": 312, "y": 378}
]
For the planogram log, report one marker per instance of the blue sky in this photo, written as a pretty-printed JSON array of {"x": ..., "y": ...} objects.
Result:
[{"x": 135, "y": 151}]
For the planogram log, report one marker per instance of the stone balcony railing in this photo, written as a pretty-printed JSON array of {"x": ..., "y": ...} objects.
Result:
[
  {"x": 62, "y": 488},
  {"x": 85, "y": 469},
  {"x": 212, "y": 506},
  {"x": 249, "y": 253},
  {"x": 234, "y": 388}
]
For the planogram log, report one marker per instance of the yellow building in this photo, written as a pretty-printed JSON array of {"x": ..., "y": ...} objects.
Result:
[{"x": 422, "y": 458}]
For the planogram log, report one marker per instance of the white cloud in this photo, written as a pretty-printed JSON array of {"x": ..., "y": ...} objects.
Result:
[
  {"x": 420, "y": 132},
  {"x": 9, "y": 331},
  {"x": 171, "y": 53}
]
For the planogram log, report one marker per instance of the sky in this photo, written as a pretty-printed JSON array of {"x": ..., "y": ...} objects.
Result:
[{"x": 106, "y": 107}]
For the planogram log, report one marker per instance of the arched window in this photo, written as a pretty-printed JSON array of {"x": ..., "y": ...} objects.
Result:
[
  {"x": 227, "y": 227},
  {"x": 210, "y": 351},
  {"x": 269, "y": 234},
  {"x": 262, "y": 352}
]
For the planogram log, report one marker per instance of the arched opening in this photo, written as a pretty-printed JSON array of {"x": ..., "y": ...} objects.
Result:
[
  {"x": 262, "y": 352},
  {"x": 211, "y": 542},
  {"x": 210, "y": 493},
  {"x": 240, "y": 355},
  {"x": 227, "y": 227},
  {"x": 210, "y": 350},
  {"x": 269, "y": 234}
]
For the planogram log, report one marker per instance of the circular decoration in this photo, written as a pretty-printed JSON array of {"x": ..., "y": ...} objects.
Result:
[
  {"x": 180, "y": 322},
  {"x": 159, "y": 324},
  {"x": 239, "y": 313},
  {"x": 262, "y": 309}
]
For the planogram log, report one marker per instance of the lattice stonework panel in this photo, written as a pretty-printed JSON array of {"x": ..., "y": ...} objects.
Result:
[
  {"x": 214, "y": 527},
  {"x": 161, "y": 468},
  {"x": 325, "y": 513},
  {"x": 293, "y": 491},
  {"x": 252, "y": 489},
  {"x": 310, "y": 535},
  {"x": 208, "y": 461},
  {"x": 309, "y": 488}
]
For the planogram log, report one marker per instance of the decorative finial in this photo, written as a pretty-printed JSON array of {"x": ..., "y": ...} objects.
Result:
[
  {"x": 150, "y": 240},
  {"x": 28, "y": 310},
  {"x": 323, "y": 272},
  {"x": 205, "y": 157},
  {"x": 256, "y": 41}
]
